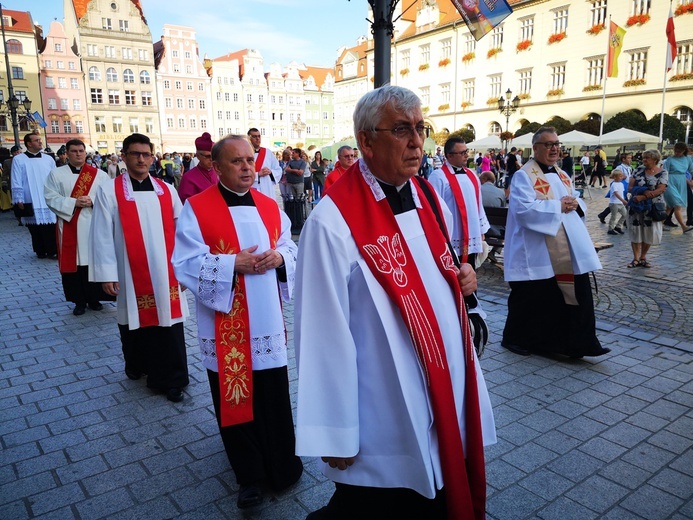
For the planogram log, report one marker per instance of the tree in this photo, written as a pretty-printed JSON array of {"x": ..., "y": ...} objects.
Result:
[
  {"x": 440, "y": 137},
  {"x": 528, "y": 128},
  {"x": 674, "y": 130},
  {"x": 629, "y": 119},
  {"x": 589, "y": 126},
  {"x": 464, "y": 133},
  {"x": 561, "y": 124}
]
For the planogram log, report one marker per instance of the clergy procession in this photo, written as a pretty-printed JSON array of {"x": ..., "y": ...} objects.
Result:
[{"x": 353, "y": 351}]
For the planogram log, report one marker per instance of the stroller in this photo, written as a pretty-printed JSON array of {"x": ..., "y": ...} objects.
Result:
[{"x": 580, "y": 180}]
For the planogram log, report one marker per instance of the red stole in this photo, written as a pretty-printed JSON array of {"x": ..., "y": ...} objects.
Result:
[
  {"x": 461, "y": 205},
  {"x": 232, "y": 329},
  {"x": 67, "y": 253},
  {"x": 260, "y": 160},
  {"x": 137, "y": 252},
  {"x": 378, "y": 237}
]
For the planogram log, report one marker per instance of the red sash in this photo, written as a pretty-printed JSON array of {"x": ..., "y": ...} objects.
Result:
[
  {"x": 67, "y": 253},
  {"x": 137, "y": 252},
  {"x": 260, "y": 160},
  {"x": 232, "y": 329},
  {"x": 378, "y": 237},
  {"x": 461, "y": 205}
]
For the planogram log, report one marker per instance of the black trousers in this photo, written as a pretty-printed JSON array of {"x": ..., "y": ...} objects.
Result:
[
  {"x": 262, "y": 451},
  {"x": 43, "y": 239},
  {"x": 367, "y": 503},
  {"x": 79, "y": 290},
  {"x": 158, "y": 352}
]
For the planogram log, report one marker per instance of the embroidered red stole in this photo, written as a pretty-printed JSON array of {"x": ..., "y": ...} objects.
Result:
[
  {"x": 67, "y": 253},
  {"x": 137, "y": 252},
  {"x": 378, "y": 237},
  {"x": 232, "y": 329},
  {"x": 259, "y": 161},
  {"x": 461, "y": 205}
]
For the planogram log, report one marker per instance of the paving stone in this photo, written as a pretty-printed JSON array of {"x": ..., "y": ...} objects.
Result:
[
  {"x": 566, "y": 509},
  {"x": 514, "y": 502},
  {"x": 582, "y": 428},
  {"x": 104, "y": 506},
  {"x": 671, "y": 442},
  {"x": 112, "y": 479},
  {"x": 625, "y": 474},
  {"x": 651, "y": 502},
  {"x": 648, "y": 457},
  {"x": 602, "y": 449},
  {"x": 529, "y": 457},
  {"x": 673, "y": 482},
  {"x": 192, "y": 497},
  {"x": 547, "y": 484},
  {"x": 597, "y": 493},
  {"x": 78, "y": 471},
  {"x": 55, "y": 498},
  {"x": 575, "y": 466}
]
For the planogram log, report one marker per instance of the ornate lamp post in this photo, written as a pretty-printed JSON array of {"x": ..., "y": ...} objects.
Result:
[
  {"x": 508, "y": 107},
  {"x": 13, "y": 105}
]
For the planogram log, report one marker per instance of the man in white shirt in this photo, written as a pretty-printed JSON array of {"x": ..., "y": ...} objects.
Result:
[{"x": 267, "y": 169}]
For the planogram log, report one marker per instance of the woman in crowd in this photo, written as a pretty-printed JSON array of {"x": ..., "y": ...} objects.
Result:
[
  {"x": 318, "y": 175},
  {"x": 677, "y": 190},
  {"x": 283, "y": 187},
  {"x": 647, "y": 185},
  {"x": 307, "y": 178}
]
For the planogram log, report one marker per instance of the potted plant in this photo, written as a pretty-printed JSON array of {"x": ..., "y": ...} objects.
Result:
[
  {"x": 596, "y": 28},
  {"x": 444, "y": 106},
  {"x": 681, "y": 77},
  {"x": 524, "y": 45},
  {"x": 554, "y": 92},
  {"x": 444, "y": 62},
  {"x": 557, "y": 37},
  {"x": 683, "y": 9},
  {"x": 423, "y": 66},
  {"x": 634, "y": 82},
  {"x": 638, "y": 19},
  {"x": 468, "y": 57},
  {"x": 404, "y": 72},
  {"x": 492, "y": 52}
]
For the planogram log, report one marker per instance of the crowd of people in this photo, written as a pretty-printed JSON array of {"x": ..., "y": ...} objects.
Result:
[{"x": 393, "y": 400}]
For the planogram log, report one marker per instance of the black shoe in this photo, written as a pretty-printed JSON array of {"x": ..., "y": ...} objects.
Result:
[
  {"x": 249, "y": 496},
  {"x": 669, "y": 223},
  {"x": 96, "y": 306},
  {"x": 41, "y": 255},
  {"x": 79, "y": 310},
  {"x": 175, "y": 395},
  {"x": 600, "y": 352},
  {"x": 619, "y": 231},
  {"x": 133, "y": 374},
  {"x": 517, "y": 350},
  {"x": 602, "y": 220},
  {"x": 611, "y": 232}
]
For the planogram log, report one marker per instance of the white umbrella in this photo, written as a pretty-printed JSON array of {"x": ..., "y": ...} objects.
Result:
[
  {"x": 524, "y": 141},
  {"x": 491, "y": 141},
  {"x": 577, "y": 138},
  {"x": 626, "y": 136}
]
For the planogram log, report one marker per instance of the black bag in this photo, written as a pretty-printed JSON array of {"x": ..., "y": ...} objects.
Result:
[
  {"x": 28, "y": 210},
  {"x": 658, "y": 212}
]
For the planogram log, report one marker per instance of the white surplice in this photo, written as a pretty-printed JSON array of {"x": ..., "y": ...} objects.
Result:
[
  {"x": 59, "y": 185},
  {"x": 529, "y": 222},
  {"x": 28, "y": 179},
  {"x": 210, "y": 277},
  {"x": 109, "y": 261},
  {"x": 361, "y": 388},
  {"x": 477, "y": 223},
  {"x": 265, "y": 184}
]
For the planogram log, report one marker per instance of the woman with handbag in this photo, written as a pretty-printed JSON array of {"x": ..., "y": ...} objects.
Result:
[{"x": 646, "y": 205}]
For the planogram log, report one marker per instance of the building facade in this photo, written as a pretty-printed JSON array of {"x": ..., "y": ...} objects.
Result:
[
  {"x": 115, "y": 44},
  {"x": 318, "y": 87},
  {"x": 183, "y": 88},
  {"x": 62, "y": 88}
]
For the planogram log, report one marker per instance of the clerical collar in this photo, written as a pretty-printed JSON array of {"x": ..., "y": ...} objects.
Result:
[
  {"x": 399, "y": 198},
  {"x": 234, "y": 198},
  {"x": 257, "y": 151},
  {"x": 142, "y": 185},
  {"x": 545, "y": 168},
  {"x": 33, "y": 155},
  {"x": 75, "y": 169}
]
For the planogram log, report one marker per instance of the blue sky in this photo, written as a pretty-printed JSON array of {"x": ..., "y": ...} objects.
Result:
[{"x": 308, "y": 31}]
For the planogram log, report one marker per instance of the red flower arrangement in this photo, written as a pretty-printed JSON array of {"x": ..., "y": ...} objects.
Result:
[
  {"x": 681, "y": 77},
  {"x": 554, "y": 92},
  {"x": 444, "y": 62},
  {"x": 423, "y": 66},
  {"x": 524, "y": 45},
  {"x": 638, "y": 19},
  {"x": 465, "y": 104},
  {"x": 596, "y": 29},
  {"x": 592, "y": 88},
  {"x": 555, "y": 38},
  {"x": 468, "y": 57},
  {"x": 492, "y": 52},
  {"x": 683, "y": 9},
  {"x": 634, "y": 82},
  {"x": 404, "y": 72}
]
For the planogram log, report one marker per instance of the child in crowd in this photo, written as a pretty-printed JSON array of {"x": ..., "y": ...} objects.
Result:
[{"x": 617, "y": 203}]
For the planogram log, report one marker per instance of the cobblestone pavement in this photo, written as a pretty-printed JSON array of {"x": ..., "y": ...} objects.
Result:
[{"x": 607, "y": 438}]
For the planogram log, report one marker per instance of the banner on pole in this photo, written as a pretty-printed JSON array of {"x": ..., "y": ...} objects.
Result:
[
  {"x": 616, "y": 35},
  {"x": 37, "y": 118},
  {"x": 481, "y": 16},
  {"x": 671, "y": 41}
]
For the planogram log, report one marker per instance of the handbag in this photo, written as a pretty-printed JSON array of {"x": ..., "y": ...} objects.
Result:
[{"x": 658, "y": 212}]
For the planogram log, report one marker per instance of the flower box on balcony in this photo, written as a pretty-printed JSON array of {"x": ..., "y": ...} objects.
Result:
[
  {"x": 404, "y": 72},
  {"x": 555, "y": 38},
  {"x": 681, "y": 77},
  {"x": 555, "y": 92},
  {"x": 524, "y": 45},
  {"x": 492, "y": 52},
  {"x": 465, "y": 104},
  {"x": 592, "y": 88},
  {"x": 506, "y": 136},
  {"x": 443, "y": 107},
  {"x": 492, "y": 101},
  {"x": 523, "y": 95},
  {"x": 634, "y": 82},
  {"x": 468, "y": 57},
  {"x": 638, "y": 19},
  {"x": 424, "y": 110},
  {"x": 683, "y": 9},
  {"x": 596, "y": 29},
  {"x": 424, "y": 66},
  {"x": 444, "y": 62}
]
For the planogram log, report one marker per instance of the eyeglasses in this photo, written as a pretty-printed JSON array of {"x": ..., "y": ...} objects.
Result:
[
  {"x": 136, "y": 155},
  {"x": 551, "y": 144},
  {"x": 349, "y": 156},
  {"x": 406, "y": 131},
  {"x": 463, "y": 152}
]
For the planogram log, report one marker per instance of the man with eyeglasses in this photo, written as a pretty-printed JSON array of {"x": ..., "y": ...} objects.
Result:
[
  {"x": 29, "y": 173},
  {"x": 393, "y": 400},
  {"x": 70, "y": 192},
  {"x": 267, "y": 169},
  {"x": 345, "y": 158},
  {"x": 548, "y": 257},
  {"x": 131, "y": 242},
  {"x": 202, "y": 176}
]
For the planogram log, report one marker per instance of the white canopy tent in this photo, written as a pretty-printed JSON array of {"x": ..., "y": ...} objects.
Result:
[
  {"x": 577, "y": 138},
  {"x": 485, "y": 143},
  {"x": 524, "y": 141},
  {"x": 624, "y": 136}
]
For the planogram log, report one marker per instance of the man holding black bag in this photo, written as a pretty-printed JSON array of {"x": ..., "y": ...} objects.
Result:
[{"x": 29, "y": 173}]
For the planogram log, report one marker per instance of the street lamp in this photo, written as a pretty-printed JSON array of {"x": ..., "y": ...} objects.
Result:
[
  {"x": 12, "y": 106},
  {"x": 507, "y": 107}
]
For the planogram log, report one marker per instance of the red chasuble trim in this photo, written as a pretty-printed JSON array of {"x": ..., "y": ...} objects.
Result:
[
  {"x": 461, "y": 205},
  {"x": 137, "y": 252},
  {"x": 232, "y": 329},
  {"x": 379, "y": 238},
  {"x": 260, "y": 160},
  {"x": 67, "y": 252}
]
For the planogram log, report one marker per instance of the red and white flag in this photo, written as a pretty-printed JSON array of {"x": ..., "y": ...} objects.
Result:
[{"x": 671, "y": 40}]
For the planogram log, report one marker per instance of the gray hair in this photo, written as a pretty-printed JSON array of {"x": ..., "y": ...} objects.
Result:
[
  {"x": 542, "y": 130},
  {"x": 368, "y": 111},
  {"x": 653, "y": 153},
  {"x": 219, "y": 145},
  {"x": 345, "y": 148}
]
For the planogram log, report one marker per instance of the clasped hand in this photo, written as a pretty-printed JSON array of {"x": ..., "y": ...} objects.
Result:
[
  {"x": 568, "y": 204},
  {"x": 249, "y": 263}
]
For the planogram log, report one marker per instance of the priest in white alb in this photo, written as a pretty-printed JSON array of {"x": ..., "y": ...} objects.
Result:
[
  {"x": 70, "y": 192},
  {"x": 267, "y": 169},
  {"x": 234, "y": 251},
  {"x": 390, "y": 391},
  {"x": 131, "y": 243}
]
